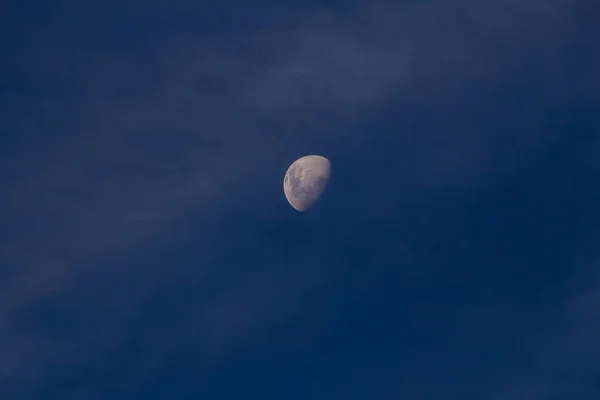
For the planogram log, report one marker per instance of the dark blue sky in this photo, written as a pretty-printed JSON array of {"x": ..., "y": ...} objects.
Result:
[{"x": 147, "y": 250}]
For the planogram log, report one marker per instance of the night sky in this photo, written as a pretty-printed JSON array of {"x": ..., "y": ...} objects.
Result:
[{"x": 147, "y": 250}]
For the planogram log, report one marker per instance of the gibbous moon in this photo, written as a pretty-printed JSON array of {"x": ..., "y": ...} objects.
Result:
[{"x": 306, "y": 180}]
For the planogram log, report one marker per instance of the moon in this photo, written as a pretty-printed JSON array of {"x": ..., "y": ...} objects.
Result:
[{"x": 306, "y": 180}]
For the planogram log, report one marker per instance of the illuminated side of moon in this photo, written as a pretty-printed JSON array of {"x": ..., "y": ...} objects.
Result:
[{"x": 306, "y": 180}]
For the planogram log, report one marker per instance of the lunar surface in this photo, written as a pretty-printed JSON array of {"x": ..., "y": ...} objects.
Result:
[{"x": 306, "y": 180}]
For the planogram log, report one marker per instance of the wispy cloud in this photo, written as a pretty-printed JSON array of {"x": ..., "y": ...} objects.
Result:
[{"x": 138, "y": 141}]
